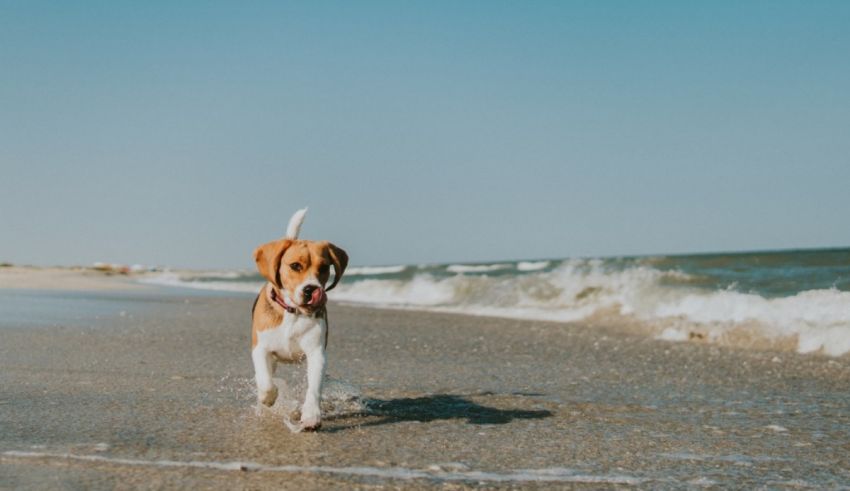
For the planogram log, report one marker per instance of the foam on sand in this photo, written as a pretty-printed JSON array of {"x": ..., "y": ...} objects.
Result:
[
  {"x": 432, "y": 473},
  {"x": 820, "y": 319}
]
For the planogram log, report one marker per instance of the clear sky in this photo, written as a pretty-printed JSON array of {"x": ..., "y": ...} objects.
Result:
[{"x": 186, "y": 133}]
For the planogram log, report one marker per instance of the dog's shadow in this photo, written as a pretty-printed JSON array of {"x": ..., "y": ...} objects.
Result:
[{"x": 437, "y": 407}]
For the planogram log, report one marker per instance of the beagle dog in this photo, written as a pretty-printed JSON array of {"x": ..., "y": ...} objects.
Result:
[{"x": 289, "y": 319}]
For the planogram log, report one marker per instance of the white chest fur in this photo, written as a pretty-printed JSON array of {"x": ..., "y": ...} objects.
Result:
[{"x": 293, "y": 337}]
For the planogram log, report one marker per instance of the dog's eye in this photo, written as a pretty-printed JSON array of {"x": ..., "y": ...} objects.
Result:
[
  {"x": 323, "y": 269},
  {"x": 295, "y": 266}
]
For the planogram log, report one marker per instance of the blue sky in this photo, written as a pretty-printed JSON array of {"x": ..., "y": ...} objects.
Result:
[{"x": 186, "y": 133}]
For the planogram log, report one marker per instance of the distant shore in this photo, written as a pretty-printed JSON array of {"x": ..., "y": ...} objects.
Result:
[
  {"x": 67, "y": 278},
  {"x": 153, "y": 388}
]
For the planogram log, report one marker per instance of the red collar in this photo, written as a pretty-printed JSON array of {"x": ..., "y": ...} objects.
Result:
[{"x": 278, "y": 299}]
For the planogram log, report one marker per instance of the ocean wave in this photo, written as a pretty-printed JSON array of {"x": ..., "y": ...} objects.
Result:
[
  {"x": 815, "y": 320},
  {"x": 374, "y": 270},
  {"x": 668, "y": 304},
  {"x": 477, "y": 268},
  {"x": 819, "y": 319},
  {"x": 192, "y": 281},
  {"x": 574, "y": 291},
  {"x": 532, "y": 265}
]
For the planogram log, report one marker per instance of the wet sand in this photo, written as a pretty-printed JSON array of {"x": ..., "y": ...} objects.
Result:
[{"x": 153, "y": 388}]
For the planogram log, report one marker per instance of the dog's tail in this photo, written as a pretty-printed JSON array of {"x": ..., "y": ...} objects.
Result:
[{"x": 294, "y": 227}]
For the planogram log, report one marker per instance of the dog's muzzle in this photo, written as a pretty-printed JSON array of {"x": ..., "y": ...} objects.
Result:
[{"x": 314, "y": 296}]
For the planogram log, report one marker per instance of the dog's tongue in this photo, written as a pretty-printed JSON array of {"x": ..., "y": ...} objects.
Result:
[{"x": 317, "y": 297}]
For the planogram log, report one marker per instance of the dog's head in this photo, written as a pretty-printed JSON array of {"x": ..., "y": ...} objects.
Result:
[{"x": 300, "y": 269}]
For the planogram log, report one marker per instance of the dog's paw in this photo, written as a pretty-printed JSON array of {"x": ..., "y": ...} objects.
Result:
[
  {"x": 267, "y": 397},
  {"x": 311, "y": 424},
  {"x": 304, "y": 423},
  {"x": 311, "y": 420}
]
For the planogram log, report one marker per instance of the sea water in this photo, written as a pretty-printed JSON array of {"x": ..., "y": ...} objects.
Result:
[{"x": 797, "y": 298}]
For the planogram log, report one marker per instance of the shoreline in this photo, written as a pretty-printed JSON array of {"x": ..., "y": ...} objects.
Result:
[
  {"x": 74, "y": 280},
  {"x": 415, "y": 399}
]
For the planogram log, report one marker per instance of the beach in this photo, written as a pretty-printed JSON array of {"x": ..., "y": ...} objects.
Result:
[{"x": 151, "y": 387}]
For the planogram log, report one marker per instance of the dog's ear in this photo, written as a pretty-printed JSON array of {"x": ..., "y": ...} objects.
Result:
[
  {"x": 268, "y": 257},
  {"x": 340, "y": 260}
]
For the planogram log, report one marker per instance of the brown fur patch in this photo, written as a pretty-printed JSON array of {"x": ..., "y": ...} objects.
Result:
[{"x": 266, "y": 315}]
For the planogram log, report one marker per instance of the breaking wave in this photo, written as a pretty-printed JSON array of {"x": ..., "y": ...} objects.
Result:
[
  {"x": 374, "y": 270},
  {"x": 476, "y": 268},
  {"x": 670, "y": 298}
]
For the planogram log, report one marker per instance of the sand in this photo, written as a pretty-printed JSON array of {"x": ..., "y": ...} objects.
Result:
[
  {"x": 151, "y": 388},
  {"x": 56, "y": 278}
]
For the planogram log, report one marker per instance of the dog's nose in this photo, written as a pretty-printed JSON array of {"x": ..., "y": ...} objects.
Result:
[{"x": 308, "y": 291}]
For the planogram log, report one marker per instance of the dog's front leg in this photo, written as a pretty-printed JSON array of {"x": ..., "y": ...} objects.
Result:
[
  {"x": 311, "y": 412},
  {"x": 263, "y": 363}
]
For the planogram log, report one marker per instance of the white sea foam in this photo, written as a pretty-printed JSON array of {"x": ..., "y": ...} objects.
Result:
[
  {"x": 477, "y": 268},
  {"x": 820, "y": 319},
  {"x": 374, "y": 270},
  {"x": 734, "y": 458},
  {"x": 431, "y": 473},
  {"x": 176, "y": 280},
  {"x": 673, "y": 334},
  {"x": 817, "y": 320},
  {"x": 422, "y": 290},
  {"x": 229, "y": 275},
  {"x": 532, "y": 265},
  {"x": 576, "y": 290}
]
